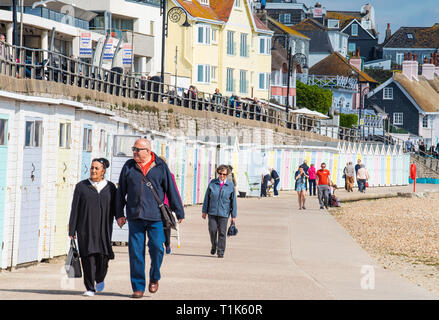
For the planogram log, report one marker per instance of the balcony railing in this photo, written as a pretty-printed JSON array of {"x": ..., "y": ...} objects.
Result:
[{"x": 25, "y": 63}]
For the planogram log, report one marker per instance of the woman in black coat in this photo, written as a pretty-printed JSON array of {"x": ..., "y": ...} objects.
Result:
[{"x": 91, "y": 220}]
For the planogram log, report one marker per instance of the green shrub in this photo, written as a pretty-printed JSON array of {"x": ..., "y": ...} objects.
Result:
[{"x": 348, "y": 120}]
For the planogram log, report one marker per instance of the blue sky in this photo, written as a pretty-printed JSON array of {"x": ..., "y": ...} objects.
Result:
[{"x": 399, "y": 13}]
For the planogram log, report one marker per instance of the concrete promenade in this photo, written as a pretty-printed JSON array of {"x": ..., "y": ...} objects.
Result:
[{"x": 279, "y": 253}]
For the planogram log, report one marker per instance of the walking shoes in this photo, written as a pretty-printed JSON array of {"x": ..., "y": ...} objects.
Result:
[
  {"x": 153, "y": 286},
  {"x": 137, "y": 294}
]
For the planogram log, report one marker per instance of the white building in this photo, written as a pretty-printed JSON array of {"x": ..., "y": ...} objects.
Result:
[{"x": 136, "y": 22}]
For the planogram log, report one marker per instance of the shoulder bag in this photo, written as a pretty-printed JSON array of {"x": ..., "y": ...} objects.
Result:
[{"x": 168, "y": 218}]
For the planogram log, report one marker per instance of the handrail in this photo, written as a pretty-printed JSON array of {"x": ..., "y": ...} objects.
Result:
[{"x": 22, "y": 62}]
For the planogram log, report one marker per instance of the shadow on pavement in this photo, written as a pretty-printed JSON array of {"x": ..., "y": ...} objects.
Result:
[{"x": 63, "y": 292}]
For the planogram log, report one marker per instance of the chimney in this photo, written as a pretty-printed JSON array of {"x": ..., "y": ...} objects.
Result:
[
  {"x": 410, "y": 67},
  {"x": 428, "y": 70},
  {"x": 356, "y": 60},
  {"x": 388, "y": 32}
]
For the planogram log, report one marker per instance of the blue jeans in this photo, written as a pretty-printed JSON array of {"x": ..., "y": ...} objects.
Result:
[
  {"x": 276, "y": 182},
  {"x": 136, "y": 249},
  {"x": 312, "y": 187}
]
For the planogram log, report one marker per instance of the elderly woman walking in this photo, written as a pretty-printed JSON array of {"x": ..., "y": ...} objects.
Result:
[
  {"x": 219, "y": 203},
  {"x": 91, "y": 220}
]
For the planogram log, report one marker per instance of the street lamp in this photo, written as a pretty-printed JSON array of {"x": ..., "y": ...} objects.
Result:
[
  {"x": 174, "y": 14},
  {"x": 293, "y": 61}
]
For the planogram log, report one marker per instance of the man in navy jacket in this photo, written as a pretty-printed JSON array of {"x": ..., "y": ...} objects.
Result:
[{"x": 143, "y": 212}]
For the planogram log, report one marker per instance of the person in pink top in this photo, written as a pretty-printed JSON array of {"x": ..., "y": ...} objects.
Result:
[
  {"x": 166, "y": 202},
  {"x": 312, "y": 179}
]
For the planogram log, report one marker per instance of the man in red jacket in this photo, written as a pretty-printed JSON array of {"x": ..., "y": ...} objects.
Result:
[{"x": 323, "y": 183}]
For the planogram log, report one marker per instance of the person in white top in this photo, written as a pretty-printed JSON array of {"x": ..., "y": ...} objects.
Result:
[{"x": 362, "y": 177}]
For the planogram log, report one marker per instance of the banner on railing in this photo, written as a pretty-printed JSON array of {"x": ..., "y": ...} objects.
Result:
[
  {"x": 85, "y": 48},
  {"x": 127, "y": 53},
  {"x": 108, "y": 50}
]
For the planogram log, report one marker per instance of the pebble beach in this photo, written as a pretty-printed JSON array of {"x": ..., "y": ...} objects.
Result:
[{"x": 401, "y": 234}]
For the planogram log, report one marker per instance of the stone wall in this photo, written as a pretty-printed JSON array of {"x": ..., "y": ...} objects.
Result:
[
  {"x": 175, "y": 120},
  {"x": 424, "y": 167}
]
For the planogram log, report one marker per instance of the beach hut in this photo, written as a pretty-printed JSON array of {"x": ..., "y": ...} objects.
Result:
[{"x": 4, "y": 133}]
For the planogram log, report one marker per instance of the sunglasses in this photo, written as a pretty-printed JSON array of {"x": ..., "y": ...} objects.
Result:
[
  {"x": 222, "y": 174},
  {"x": 139, "y": 149}
]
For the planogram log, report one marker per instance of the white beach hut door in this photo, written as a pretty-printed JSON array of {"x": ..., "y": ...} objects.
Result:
[
  {"x": 3, "y": 170},
  {"x": 28, "y": 243}
]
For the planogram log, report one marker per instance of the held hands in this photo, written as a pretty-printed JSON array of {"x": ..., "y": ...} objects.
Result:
[{"x": 121, "y": 221}]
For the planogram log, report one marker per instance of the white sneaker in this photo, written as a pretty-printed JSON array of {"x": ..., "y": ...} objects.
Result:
[
  {"x": 88, "y": 293},
  {"x": 100, "y": 286}
]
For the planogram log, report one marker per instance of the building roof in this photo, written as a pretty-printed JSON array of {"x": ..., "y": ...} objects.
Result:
[
  {"x": 346, "y": 17},
  {"x": 423, "y": 37},
  {"x": 217, "y": 10},
  {"x": 424, "y": 92},
  {"x": 259, "y": 24},
  {"x": 335, "y": 64},
  {"x": 286, "y": 29},
  {"x": 309, "y": 24}
]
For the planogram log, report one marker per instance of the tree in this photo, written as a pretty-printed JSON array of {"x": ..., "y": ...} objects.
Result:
[{"x": 313, "y": 97}]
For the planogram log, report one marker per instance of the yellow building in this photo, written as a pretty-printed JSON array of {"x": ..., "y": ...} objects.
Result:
[{"x": 226, "y": 47}]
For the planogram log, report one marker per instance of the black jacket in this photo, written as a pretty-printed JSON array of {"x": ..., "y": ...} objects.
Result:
[
  {"x": 138, "y": 200},
  {"x": 91, "y": 218}
]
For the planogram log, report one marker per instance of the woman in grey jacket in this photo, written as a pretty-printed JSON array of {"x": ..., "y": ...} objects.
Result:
[{"x": 219, "y": 203}]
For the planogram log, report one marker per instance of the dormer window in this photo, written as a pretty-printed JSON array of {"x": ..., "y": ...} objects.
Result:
[
  {"x": 205, "y": 2},
  {"x": 333, "y": 24},
  {"x": 354, "y": 29},
  {"x": 410, "y": 36}
]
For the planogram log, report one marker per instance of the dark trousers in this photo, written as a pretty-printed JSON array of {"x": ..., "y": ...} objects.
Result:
[
  {"x": 217, "y": 231},
  {"x": 276, "y": 182},
  {"x": 312, "y": 187},
  {"x": 264, "y": 189},
  {"x": 361, "y": 185},
  {"x": 95, "y": 268},
  {"x": 136, "y": 248},
  {"x": 167, "y": 237}
]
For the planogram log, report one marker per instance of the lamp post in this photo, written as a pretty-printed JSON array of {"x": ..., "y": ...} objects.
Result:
[
  {"x": 293, "y": 61},
  {"x": 174, "y": 14}
]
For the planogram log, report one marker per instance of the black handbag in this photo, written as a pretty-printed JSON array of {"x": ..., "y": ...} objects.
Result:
[
  {"x": 167, "y": 216},
  {"x": 233, "y": 230},
  {"x": 73, "y": 265}
]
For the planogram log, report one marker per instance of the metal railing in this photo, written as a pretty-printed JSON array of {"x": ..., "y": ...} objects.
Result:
[{"x": 26, "y": 63}]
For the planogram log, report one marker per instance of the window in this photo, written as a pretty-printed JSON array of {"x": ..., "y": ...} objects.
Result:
[
  {"x": 237, "y": 4},
  {"x": 398, "y": 118},
  {"x": 65, "y": 134},
  {"x": 87, "y": 140},
  {"x": 244, "y": 48},
  {"x": 264, "y": 81},
  {"x": 33, "y": 136},
  {"x": 229, "y": 80},
  {"x": 103, "y": 142},
  {"x": 388, "y": 94},
  {"x": 214, "y": 35},
  {"x": 410, "y": 36},
  {"x": 426, "y": 122},
  {"x": 243, "y": 81},
  {"x": 352, "y": 47},
  {"x": 354, "y": 29},
  {"x": 230, "y": 43},
  {"x": 264, "y": 45},
  {"x": 333, "y": 24},
  {"x": 3, "y": 130},
  {"x": 206, "y": 2},
  {"x": 399, "y": 58},
  {"x": 213, "y": 74},
  {"x": 287, "y": 18},
  {"x": 203, "y": 34},
  {"x": 203, "y": 73}
]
